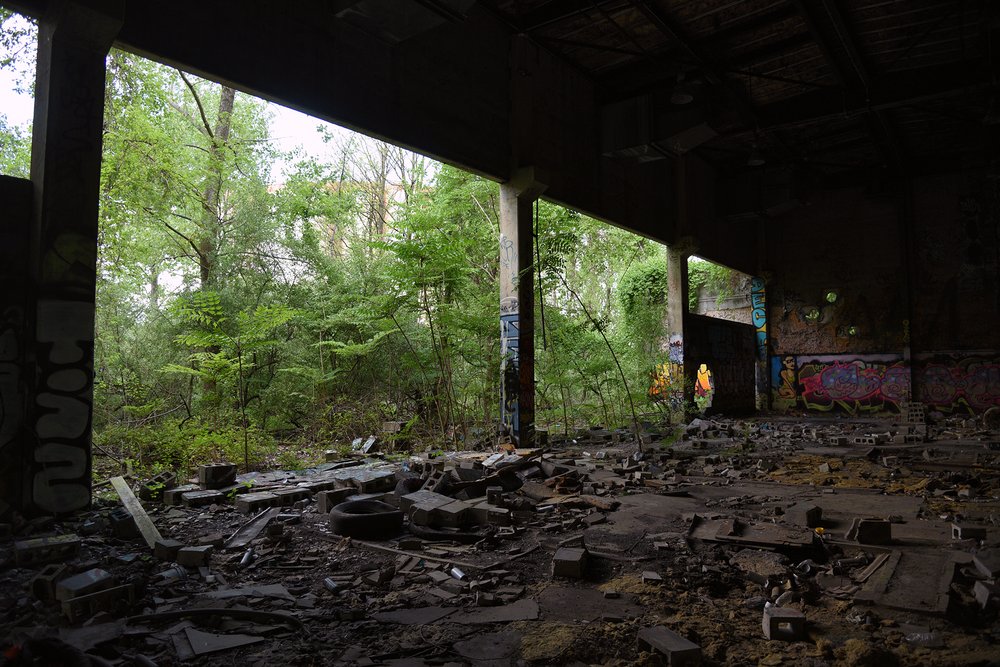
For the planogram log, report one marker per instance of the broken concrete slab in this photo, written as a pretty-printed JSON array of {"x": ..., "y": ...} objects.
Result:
[
  {"x": 203, "y": 643},
  {"x": 39, "y": 550},
  {"x": 679, "y": 651},
  {"x": 522, "y": 610},
  {"x": 416, "y": 616},
  {"x": 85, "y": 583}
]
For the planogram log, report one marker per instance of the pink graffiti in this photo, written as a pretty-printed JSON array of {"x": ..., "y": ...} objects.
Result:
[
  {"x": 853, "y": 385},
  {"x": 971, "y": 383}
]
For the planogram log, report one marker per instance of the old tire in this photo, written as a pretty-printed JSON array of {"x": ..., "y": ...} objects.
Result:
[{"x": 366, "y": 519}]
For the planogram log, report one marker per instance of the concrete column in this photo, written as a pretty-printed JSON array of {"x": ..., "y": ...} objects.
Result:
[
  {"x": 677, "y": 298},
  {"x": 758, "y": 305},
  {"x": 517, "y": 307},
  {"x": 73, "y": 43}
]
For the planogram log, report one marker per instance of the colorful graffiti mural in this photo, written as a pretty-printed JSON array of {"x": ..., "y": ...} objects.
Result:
[
  {"x": 853, "y": 384},
  {"x": 758, "y": 314},
  {"x": 959, "y": 383},
  {"x": 948, "y": 382}
]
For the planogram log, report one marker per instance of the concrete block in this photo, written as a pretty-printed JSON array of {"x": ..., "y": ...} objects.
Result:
[
  {"x": 166, "y": 549},
  {"x": 174, "y": 496},
  {"x": 678, "y": 650},
  {"x": 326, "y": 500},
  {"x": 569, "y": 562},
  {"x": 252, "y": 503},
  {"x": 216, "y": 475},
  {"x": 84, "y": 583},
  {"x": 874, "y": 531},
  {"x": 423, "y": 498},
  {"x": 986, "y": 593},
  {"x": 194, "y": 556},
  {"x": 212, "y": 539},
  {"x": 963, "y": 532},
  {"x": 288, "y": 496},
  {"x": 46, "y": 549},
  {"x": 650, "y": 577},
  {"x": 43, "y": 585},
  {"x": 988, "y": 562},
  {"x": 201, "y": 498},
  {"x": 83, "y": 607},
  {"x": 123, "y": 524},
  {"x": 784, "y": 623},
  {"x": 453, "y": 515},
  {"x": 814, "y": 516},
  {"x": 318, "y": 485},
  {"x": 154, "y": 488}
]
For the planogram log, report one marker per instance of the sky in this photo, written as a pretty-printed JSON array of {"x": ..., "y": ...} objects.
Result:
[{"x": 289, "y": 128}]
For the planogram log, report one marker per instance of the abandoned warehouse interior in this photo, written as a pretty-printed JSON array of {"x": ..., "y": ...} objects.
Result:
[{"x": 837, "y": 503}]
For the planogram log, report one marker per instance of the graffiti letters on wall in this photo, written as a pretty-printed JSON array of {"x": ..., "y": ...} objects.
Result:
[
  {"x": 509, "y": 368},
  {"x": 948, "y": 382},
  {"x": 959, "y": 381},
  {"x": 853, "y": 384}
]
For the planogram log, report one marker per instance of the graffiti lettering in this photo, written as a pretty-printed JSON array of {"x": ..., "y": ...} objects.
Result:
[
  {"x": 758, "y": 314},
  {"x": 65, "y": 330},
  {"x": 509, "y": 372},
  {"x": 953, "y": 383}
]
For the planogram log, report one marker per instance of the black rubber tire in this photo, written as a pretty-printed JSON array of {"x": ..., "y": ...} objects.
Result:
[{"x": 366, "y": 519}]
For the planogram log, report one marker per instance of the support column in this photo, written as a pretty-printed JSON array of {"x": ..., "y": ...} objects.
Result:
[
  {"x": 758, "y": 312},
  {"x": 73, "y": 42},
  {"x": 677, "y": 298},
  {"x": 517, "y": 307}
]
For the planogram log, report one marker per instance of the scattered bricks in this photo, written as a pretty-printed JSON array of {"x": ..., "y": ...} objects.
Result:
[
  {"x": 288, "y": 496},
  {"x": 175, "y": 495},
  {"x": 373, "y": 481},
  {"x": 331, "y": 455},
  {"x": 988, "y": 562},
  {"x": 327, "y": 500},
  {"x": 154, "y": 488},
  {"x": 252, "y": 503},
  {"x": 201, "y": 498},
  {"x": 499, "y": 516},
  {"x": 678, "y": 650},
  {"x": 43, "y": 585},
  {"x": 194, "y": 556},
  {"x": 839, "y": 441},
  {"x": 962, "y": 532},
  {"x": 319, "y": 485},
  {"x": 650, "y": 577},
  {"x": 123, "y": 524},
  {"x": 986, "y": 593},
  {"x": 83, "y": 607},
  {"x": 874, "y": 531},
  {"x": 864, "y": 440},
  {"x": 216, "y": 475},
  {"x": 166, "y": 550},
  {"x": 436, "y": 481},
  {"x": 46, "y": 549},
  {"x": 784, "y": 623},
  {"x": 212, "y": 539},
  {"x": 452, "y": 515},
  {"x": 84, "y": 583},
  {"x": 824, "y": 468},
  {"x": 569, "y": 563}
]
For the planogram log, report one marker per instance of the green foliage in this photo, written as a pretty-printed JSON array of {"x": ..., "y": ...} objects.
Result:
[{"x": 717, "y": 279}]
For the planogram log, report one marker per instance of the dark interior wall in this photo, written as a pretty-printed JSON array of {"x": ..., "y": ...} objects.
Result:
[
  {"x": 933, "y": 339},
  {"x": 16, "y": 196},
  {"x": 727, "y": 350}
]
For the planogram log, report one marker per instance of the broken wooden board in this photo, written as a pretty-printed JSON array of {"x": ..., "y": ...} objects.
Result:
[
  {"x": 134, "y": 507},
  {"x": 252, "y": 529},
  {"x": 734, "y": 531},
  {"x": 912, "y": 581}
]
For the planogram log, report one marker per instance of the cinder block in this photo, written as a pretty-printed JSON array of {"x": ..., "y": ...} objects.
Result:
[
  {"x": 679, "y": 651},
  {"x": 874, "y": 531},
  {"x": 84, "y": 583},
  {"x": 194, "y": 556},
  {"x": 784, "y": 623},
  {"x": 452, "y": 515},
  {"x": 175, "y": 495},
  {"x": 290, "y": 495},
  {"x": 814, "y": 516},
  {"x": 123, "y": 524},
  {"x": 154, "y": 488},
  {"x": 569, "y": 562},
  {"x": 216, "y": 475},
  {"x": 45, "y": 549},
  {"x": 83, "y": 607},
  {"x": 251, "y": 503},
  {"x": 201, "y": 498},
  {"x": 319, "y": 485},
  {"x": 326, "y": 500},
  {"x": 963, "y": 532},
  {"x": 166, "y": 549},
  {"x": 43, "y": 585},
  {"x": 423, "y": 497}
]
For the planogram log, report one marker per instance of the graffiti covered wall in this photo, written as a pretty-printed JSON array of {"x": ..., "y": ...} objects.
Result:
[{"x": 951, "y": 382}]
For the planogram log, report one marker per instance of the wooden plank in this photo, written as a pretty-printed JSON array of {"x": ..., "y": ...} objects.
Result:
[
  {"x": 134, "y": 507},
  {"x": 251, "y": 529}
]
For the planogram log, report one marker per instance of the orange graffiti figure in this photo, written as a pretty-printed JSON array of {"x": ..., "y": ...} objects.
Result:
[
  {"x": 787, "y": 388},
  {"x": 703, "y": 385}
]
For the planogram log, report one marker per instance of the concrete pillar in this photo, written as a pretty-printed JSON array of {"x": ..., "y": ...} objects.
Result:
[
  {"x": 73, "y": 42},
  {"x": 677, "y": 298},
  {"x": 758, "y": 312},
  {"x": 517, "y": 306}
]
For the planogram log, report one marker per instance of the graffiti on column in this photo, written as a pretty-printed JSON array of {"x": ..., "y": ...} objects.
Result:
[
  {"x": 65, "y": 336},
  {"x": 758, "y": 315},
  {"x": 509, "y": 371}
]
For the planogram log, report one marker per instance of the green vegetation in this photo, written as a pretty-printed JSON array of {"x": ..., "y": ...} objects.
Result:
[
  {"x": 719, "y": 280},
  {"x": 263, "y": 318}
]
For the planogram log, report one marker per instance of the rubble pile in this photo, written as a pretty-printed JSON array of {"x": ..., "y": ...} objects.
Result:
[{"x": 764, "y": 541}]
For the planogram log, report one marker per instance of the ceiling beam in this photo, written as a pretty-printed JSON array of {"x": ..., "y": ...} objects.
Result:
[
  {"x": 749, "y": 24},
  {"x": 556, "y": 11}
]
